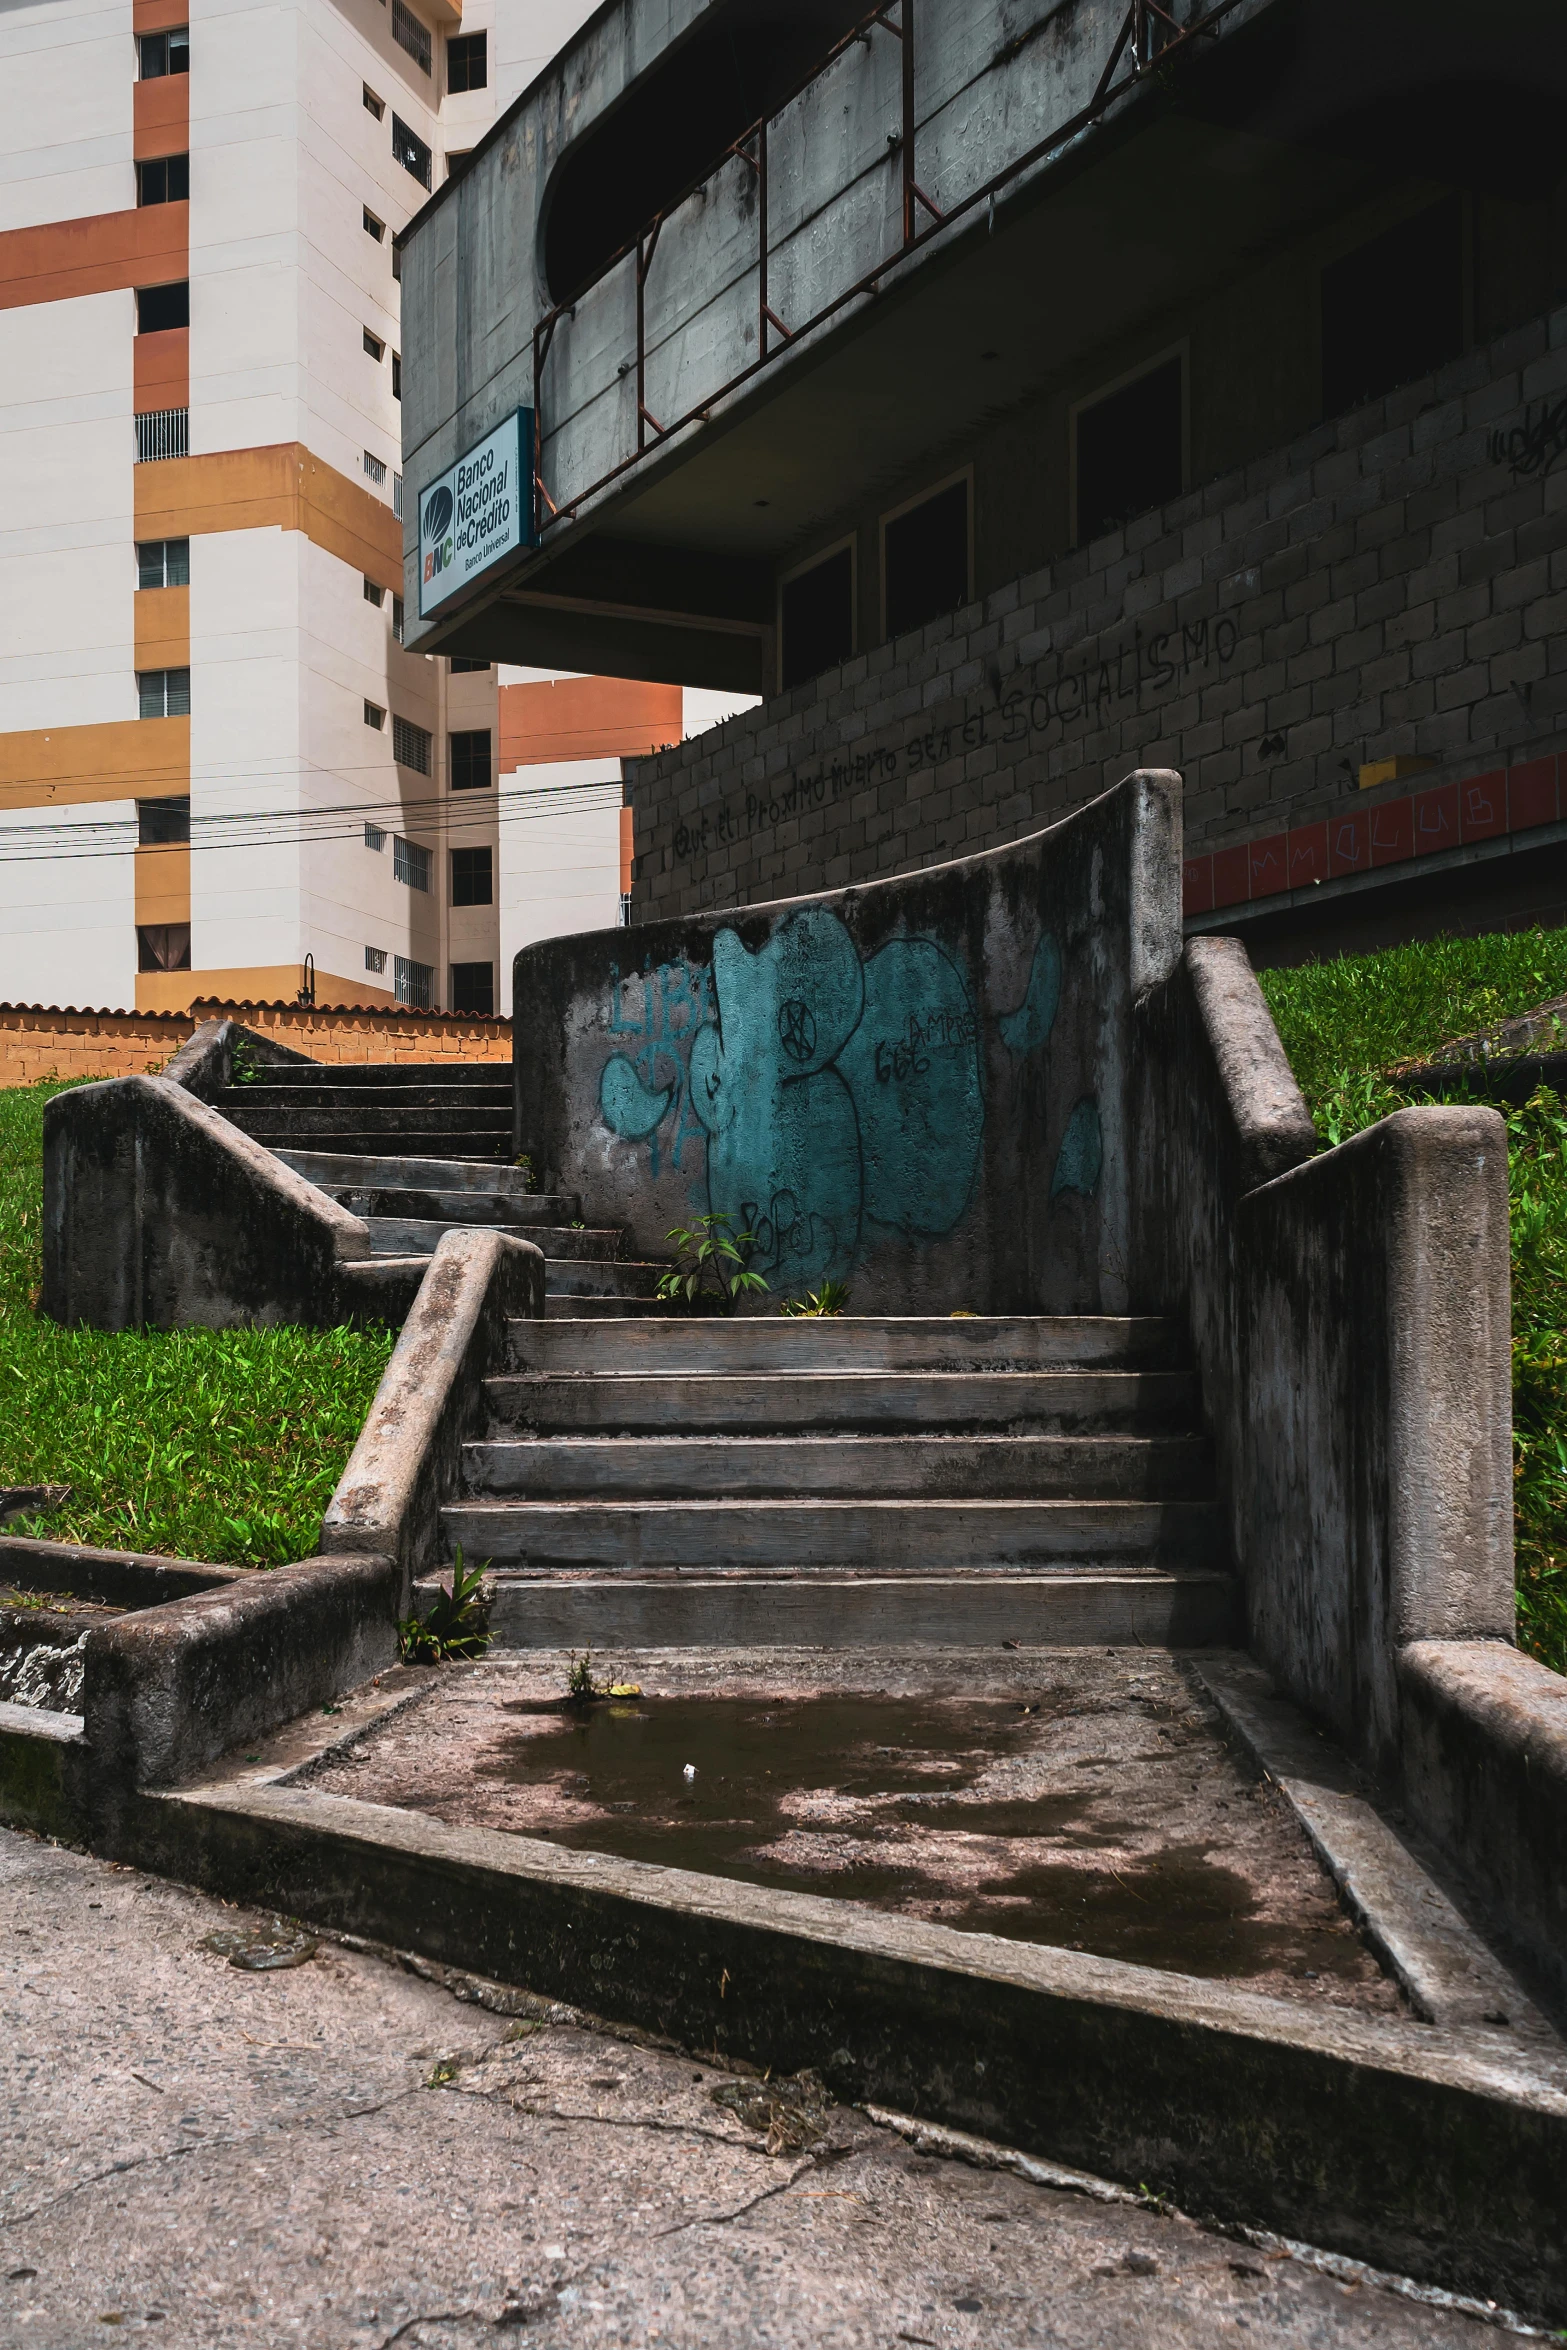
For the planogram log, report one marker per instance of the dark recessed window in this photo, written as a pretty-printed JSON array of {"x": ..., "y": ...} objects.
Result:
[
  {"x": 471, "y": 759},
  {"x": 473, "y": 988},
  {"x": 163, "y": 53},
  {"x": 373, "y": 104},
  {"x": 374, "y": 714},
  {"x": 373, "y": 227},
  {"x": 1394, "y": 309},
  {"x": 468, "y": 62},
  {"x": 460, "y": 668},
  {"x": 165, "y": 180},
  {"x": 160, "y": 307},
  {"x": 374, "y": 594},
  {"x": 397, "y": 375},
  {"x": 375, "y": 958},
  {"x": 410, "y": 151},
  {"x": 410, "y": 862},
  {"x": 817, "y": 611},
  {"x": 163, "y": 946},
  {"x": 1129, "y": 451},
  {"x": 410, "y": 34},
  {"x": 163, "y": 693},
  {"x": 472, "y": 880},
  {"x": 925, "y": 554},
  {"x": 411, "y": 745},
  {"x": 163, "y": 824},
  {"x": 162, "y": 563},
  {"x": 397, "y": 618},
  {"x": 373, "y": 343}
]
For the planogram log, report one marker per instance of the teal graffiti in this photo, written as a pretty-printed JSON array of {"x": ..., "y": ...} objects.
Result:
[
  {"x": 1080, "y": 1160},
  {"x": 1026, "y": 1029},
  {"x": 663, "y": 1009},
  {"x": 630, "y": 1108}
]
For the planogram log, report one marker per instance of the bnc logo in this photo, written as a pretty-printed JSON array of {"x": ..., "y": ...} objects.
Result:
[{"x": 436, "y": 531}]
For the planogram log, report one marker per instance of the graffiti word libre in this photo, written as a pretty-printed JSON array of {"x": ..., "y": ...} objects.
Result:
[{"x": 1066, "y": 690}]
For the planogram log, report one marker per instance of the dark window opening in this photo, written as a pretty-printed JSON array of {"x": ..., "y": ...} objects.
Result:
[
  {"x": 165, "y": 180},
  {"x": 677, "y": 123},
  {"x": 473, "y": 988},
  {"x": 163, "y": 824},
  {"x": 162, "y": 563},
  {"x": 410, "y": 151},
  {"x": 1129, "y": 451},
  {"x": 468, "y": 62},
  {"x": 164, "y": 53},
  {"x": 163, "y": 946},
  {"x": 1394, "y": 309},
  {"x": 373, "y": 227},
  {"x": 471, "y": 760},
  {"x": 397, "y": 375},
  {"x": 373, "y": 104},
  {"x": 160, "y": 307},
  {"x": 472, "y": 879},
  {"x": 925, "y": 552},
  {"x": 410, "y": 34},
  {"x": 460, "y": 667},
  {"x": 818, "y": 618}
]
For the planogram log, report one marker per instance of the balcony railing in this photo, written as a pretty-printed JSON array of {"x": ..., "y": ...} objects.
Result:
[{"x": 162, "y": 432}]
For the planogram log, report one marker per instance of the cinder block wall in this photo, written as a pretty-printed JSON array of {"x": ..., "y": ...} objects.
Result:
[
  {"x": 39, "y": 1042},
  {"x": 1393, "y": 584}
]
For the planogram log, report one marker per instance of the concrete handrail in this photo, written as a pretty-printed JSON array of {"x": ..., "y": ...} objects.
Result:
[
  {"x": 204, "y": 1064},
  {"x": 409, "y": 1452}
]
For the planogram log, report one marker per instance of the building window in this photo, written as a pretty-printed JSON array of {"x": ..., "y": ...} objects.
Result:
[
  {"x": 163, "y": 53},
  {"x": 373, "y": 104},
  {"x": 375, "y": 959},
  {"x": 468, "y": 62},
  {"x": 1394, "y": 309},
  {"x": 412, "y": 982},
  {"x": 373, "y": 594},
  {"x": 461, "y": 668},
  {"x": 410, "y": 151},
  {"x": 374, "y": 714},
  {"x": 473, "y": 988},
  {"x": 162, "y": 563},
  {"x": 163, "y": 824},
  {"x": 816, "y": 617},
  {"x": 163, "y": 946},
  {"x": 163, "y": 693},
  {"x": 1128, "y": 450},
  {"x": 410, "y": 863},
  {"x": 162, "y": 432},
  {"x": 165, "y": 180},
  {"x": 397, "y": 375},
  {"x": 373, "y": 344},
  {"x": 472, "y": 880},
  {"x": 471, "y": 759},
  {"x": 411, "y": 35},
  {"x": 375, "y": 469},
  {"x": 397, "y": 495},
  {"x": 397, "y": 618},
  {"x": 160, "y": 307},
  {"x": 373, "y": 227},
  {"x": 375, "y": 838},
  {"x": 397, "y": 263},
  {"x": 411, "y": 745},
  {"x": 925, "y": 559}
]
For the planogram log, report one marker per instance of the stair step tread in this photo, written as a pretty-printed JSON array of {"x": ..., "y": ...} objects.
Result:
[
  {"x": 405, "y": 1170},
  {"x": 304, "y": 1074},
  {"x": 676, "y": 1344},
  {"x": 770, "y": 1403},
  {"x": 292, "y": 1099},
  {"x": 398, "y": 1235}
]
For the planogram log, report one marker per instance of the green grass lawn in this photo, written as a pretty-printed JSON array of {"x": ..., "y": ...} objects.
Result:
[
  {"x": 205, "y": 1444},
  {"x": 1344, "y": 1025}
]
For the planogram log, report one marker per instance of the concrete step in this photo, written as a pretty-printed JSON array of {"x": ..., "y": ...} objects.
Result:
[
  {"x": 845, "y": 1402},
  {"x": 618, "y": 1468},
  {"x": 777, "y": 1343},
  {"x": 374, "y": 1171},
  {"x": 807, "y": 1537},
  {"x": 293, "y": 1123},
  {"x": 564, "y": 1238},
  {"x": 559, "y": 1307},
  {"x": 604, "y": 1277},
  {"x": 296, "y": 1099},
  {"x": 1135, "y": 1608},
  {"x": 302, "y": 1075},
  {"x": 463, "y": 1147},
  {"x": 395, "y": 1236}
]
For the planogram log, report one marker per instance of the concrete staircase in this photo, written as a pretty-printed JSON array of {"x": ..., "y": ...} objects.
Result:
[
  {"x": 846, "y": 1481},
  {"x": 420, "y": 1150}
]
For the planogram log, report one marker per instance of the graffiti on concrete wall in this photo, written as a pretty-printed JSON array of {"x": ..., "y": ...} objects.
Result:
[
  {"x": 644, "y": 1093},
  {"x": 1080, "y": 1153}
]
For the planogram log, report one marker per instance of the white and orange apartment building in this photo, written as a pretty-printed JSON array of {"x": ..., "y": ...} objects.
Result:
[{"x": 221, "y": 775}]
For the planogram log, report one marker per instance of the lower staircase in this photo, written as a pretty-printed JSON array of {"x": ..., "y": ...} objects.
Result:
[{"x": 845, "y": 1481}]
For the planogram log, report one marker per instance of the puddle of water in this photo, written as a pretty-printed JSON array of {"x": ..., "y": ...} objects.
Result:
[{"x": 878, "y": 1800}]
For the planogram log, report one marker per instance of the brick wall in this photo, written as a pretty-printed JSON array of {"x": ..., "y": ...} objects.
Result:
[
  {"x": 1390, "y": 587},
  {"x": 36, "y": 1041}
]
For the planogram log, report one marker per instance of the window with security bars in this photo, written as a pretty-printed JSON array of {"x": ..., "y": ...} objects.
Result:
[
  {"x": 163, "y": 693},
  {"x": 375, "y": 468},
  {"x": 412, "y": 983},
  {"x": 411, "y": 35},
  {"x": 162, "y": 563},
  {"x": 468, "y": 62},
  {"x": 397, "y": 613},
  {"x": 472, "y": 877},
  {"x": 163, "y": 824},
  {"x": 473, "y": 988},
  {"x": 375, "y": 838},
  {"x": 471, "y": 759},
  {"x": 411, "y": 745},
  {"x": 162, "y": 432},
  {"x": 411, "y": 151},
  {"x": 375, "y": 958},
  {"x": 410, "y": 863}
]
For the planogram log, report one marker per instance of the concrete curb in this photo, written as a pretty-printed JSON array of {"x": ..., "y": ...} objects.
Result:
[
  {"x": 116, "y": 1578},
  {"x": 409, "y": 1453}
]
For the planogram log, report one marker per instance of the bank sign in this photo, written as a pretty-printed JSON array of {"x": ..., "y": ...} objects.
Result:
[{"x": 477, "y": 512}]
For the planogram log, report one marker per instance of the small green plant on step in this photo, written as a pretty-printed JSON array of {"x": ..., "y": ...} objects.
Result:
[
  {"x": 524, "y": 1167},
  {"x": 454, "y": 1627},
  {"x": 710, "y": 1272},
  {"x": 582, "y": 1689},
  {"x": 831, "y": 1298},
  {"x": 244, "y": 1067}
]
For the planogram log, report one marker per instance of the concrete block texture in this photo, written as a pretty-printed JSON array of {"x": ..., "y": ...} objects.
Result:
[
  {"x": 409, "y": 1453},
  {"x": 158, "y": 1214}
]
